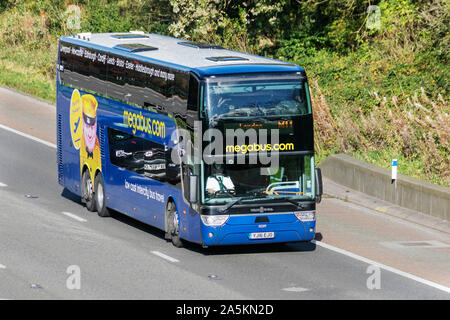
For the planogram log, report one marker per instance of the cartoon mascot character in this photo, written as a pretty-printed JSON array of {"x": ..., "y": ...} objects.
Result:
[{"x": 90, "y": 147}]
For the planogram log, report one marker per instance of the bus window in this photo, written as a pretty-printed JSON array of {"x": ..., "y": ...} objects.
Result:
[
  {"x": 192, "y": 104},
  {"x": 97, "y": 73},
  {"x": 154, "y": 160},
  {"x": 142, "y": 156},
  {"x": 126, "y": 151},
  {"x": 116, "y": 80},
  {"x": 75, "y": 69}
]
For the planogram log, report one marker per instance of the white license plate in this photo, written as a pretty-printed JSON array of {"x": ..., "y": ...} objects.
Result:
[
  {"x": 154, "y": 166},
  {"x": 262, "y": 235}
]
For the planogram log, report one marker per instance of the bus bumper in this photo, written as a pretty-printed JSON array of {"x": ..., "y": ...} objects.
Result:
[{"x": 242, "y": 230}]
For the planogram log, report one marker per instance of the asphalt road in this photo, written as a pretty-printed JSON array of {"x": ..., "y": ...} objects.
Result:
[{"x": 45, "y": 230}]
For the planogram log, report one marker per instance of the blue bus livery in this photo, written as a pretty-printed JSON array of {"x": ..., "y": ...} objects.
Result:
[{"x": 124, "y": 98}]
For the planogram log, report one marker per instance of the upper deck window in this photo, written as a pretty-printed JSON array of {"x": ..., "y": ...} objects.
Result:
[
  {"x": 227, "y": 58},
  {"x": 134, "y": 47},
  {"x": 199, "y": 45},
  {"x": 265, "y": 95},
  {"x": 129, "y": 36}
]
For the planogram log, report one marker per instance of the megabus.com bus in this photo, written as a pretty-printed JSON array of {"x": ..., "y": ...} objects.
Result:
[{"x": 210, "y": 145}]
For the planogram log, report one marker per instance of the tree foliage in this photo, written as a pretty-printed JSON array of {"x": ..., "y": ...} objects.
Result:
[{"x": 379, "y": 90}]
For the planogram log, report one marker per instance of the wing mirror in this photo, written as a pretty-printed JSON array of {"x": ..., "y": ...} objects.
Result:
[
  {"x": 319, "y": 186},
  {"x": 193, "y": 188}
]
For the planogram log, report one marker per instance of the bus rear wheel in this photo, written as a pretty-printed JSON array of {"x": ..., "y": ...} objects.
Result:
[
  {"x": 87, "y": 194},
  {"x": 100, "y": 200},
  {"x": 173, "y": 233}
]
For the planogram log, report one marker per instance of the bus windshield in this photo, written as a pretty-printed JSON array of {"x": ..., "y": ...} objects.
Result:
[
  {"x": 293, "y": 179},
  {"x": 264, "y": 95}
]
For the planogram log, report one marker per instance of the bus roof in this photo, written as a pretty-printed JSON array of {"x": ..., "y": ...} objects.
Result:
[{"x": 204, "y": 59}]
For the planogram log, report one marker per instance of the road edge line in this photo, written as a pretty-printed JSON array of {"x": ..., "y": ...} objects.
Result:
[
  {"x": 26, "y": 135},
  {"x": 382, "y": 266}
]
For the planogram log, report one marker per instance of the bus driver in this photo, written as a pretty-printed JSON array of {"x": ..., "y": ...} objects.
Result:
[{"x": 218, "y": 181}]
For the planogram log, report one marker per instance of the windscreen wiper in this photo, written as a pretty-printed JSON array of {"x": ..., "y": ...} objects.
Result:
[{"x": 230, "y": 204}]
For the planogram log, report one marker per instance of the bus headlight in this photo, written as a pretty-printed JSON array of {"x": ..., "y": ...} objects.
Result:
[
  {"x": 215, "y": 221},
  {"x": 305, "y": 215}
]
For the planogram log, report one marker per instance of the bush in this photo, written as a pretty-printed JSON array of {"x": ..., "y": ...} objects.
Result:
[{"x": 377, "y": 93}]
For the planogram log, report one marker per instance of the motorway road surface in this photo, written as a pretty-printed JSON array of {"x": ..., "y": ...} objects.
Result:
[{"x": 44, "y": 230}]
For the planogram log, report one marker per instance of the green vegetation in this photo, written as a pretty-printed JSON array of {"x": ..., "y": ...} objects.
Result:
[{"x": 379, "y": 87}]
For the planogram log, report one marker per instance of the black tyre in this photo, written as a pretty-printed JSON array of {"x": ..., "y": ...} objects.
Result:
[
  {"x": 100, "y": 199},
  {"x": 173, "y": 233},
  {"x": 87, "y": 192}
]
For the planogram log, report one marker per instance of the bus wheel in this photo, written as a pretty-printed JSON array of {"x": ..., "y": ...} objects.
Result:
[
  {"x": 172, "y": 225},
  {"x": 100, "y": 200},
  {"x": 87, "y": 194}
]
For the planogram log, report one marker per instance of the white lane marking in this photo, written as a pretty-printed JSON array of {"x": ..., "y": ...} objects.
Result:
[
  {"x": 164, "y": 256},
  {"x": 383, "y": 266},
  {"x": 2, "y": 266},
  {"x": 3, "y": 185},
  {"x": 73, "y": 216},
  {"x": 26, "y": 135},
  {"x": 295, "y": 289},
  {"x": 319, "y": 243}
]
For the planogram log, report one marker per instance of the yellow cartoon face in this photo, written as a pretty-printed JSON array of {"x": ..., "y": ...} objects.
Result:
[
  {"x": 89, "y": 121},
  {"x": 83, "y": 128}
]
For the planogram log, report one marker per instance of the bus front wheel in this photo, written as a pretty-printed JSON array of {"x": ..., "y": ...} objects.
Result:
[
  {"x": 100, "y": 200},
  {"x": 87, "y": 193},
  {"x": 173, "y": 225}
]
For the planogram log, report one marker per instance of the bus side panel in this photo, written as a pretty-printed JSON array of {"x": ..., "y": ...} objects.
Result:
[
  {"x": 130, "y": 193},
  {"x": 135, "y": 195},
  {"x": 184, "y": 217},
  {"x": 70, "y": 159},
  {"x": 189, "y": 221}
]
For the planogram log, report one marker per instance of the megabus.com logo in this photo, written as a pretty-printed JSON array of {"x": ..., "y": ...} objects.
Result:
[
  {"x": 255, "y": 147},
  {"x": 145, "y": 124}
]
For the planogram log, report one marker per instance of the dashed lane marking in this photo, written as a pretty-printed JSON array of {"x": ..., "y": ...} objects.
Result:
[
  {"x": 73, "y": 216},
  {"x": 295, "y": 289},
  {"x": 322, "y": 244},
  {"x": 164, "y": 256}
]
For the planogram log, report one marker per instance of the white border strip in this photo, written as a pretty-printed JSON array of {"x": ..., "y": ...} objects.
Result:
[
  {"x": 383, "y": 266},
  {"x": 20, "y": 133},
  {"x": 164, "y": 256},
  {"x": 73, "y": 216}
]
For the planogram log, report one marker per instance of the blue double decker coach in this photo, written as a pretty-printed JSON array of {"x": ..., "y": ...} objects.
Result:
[{"x": 212, "y": 146}]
